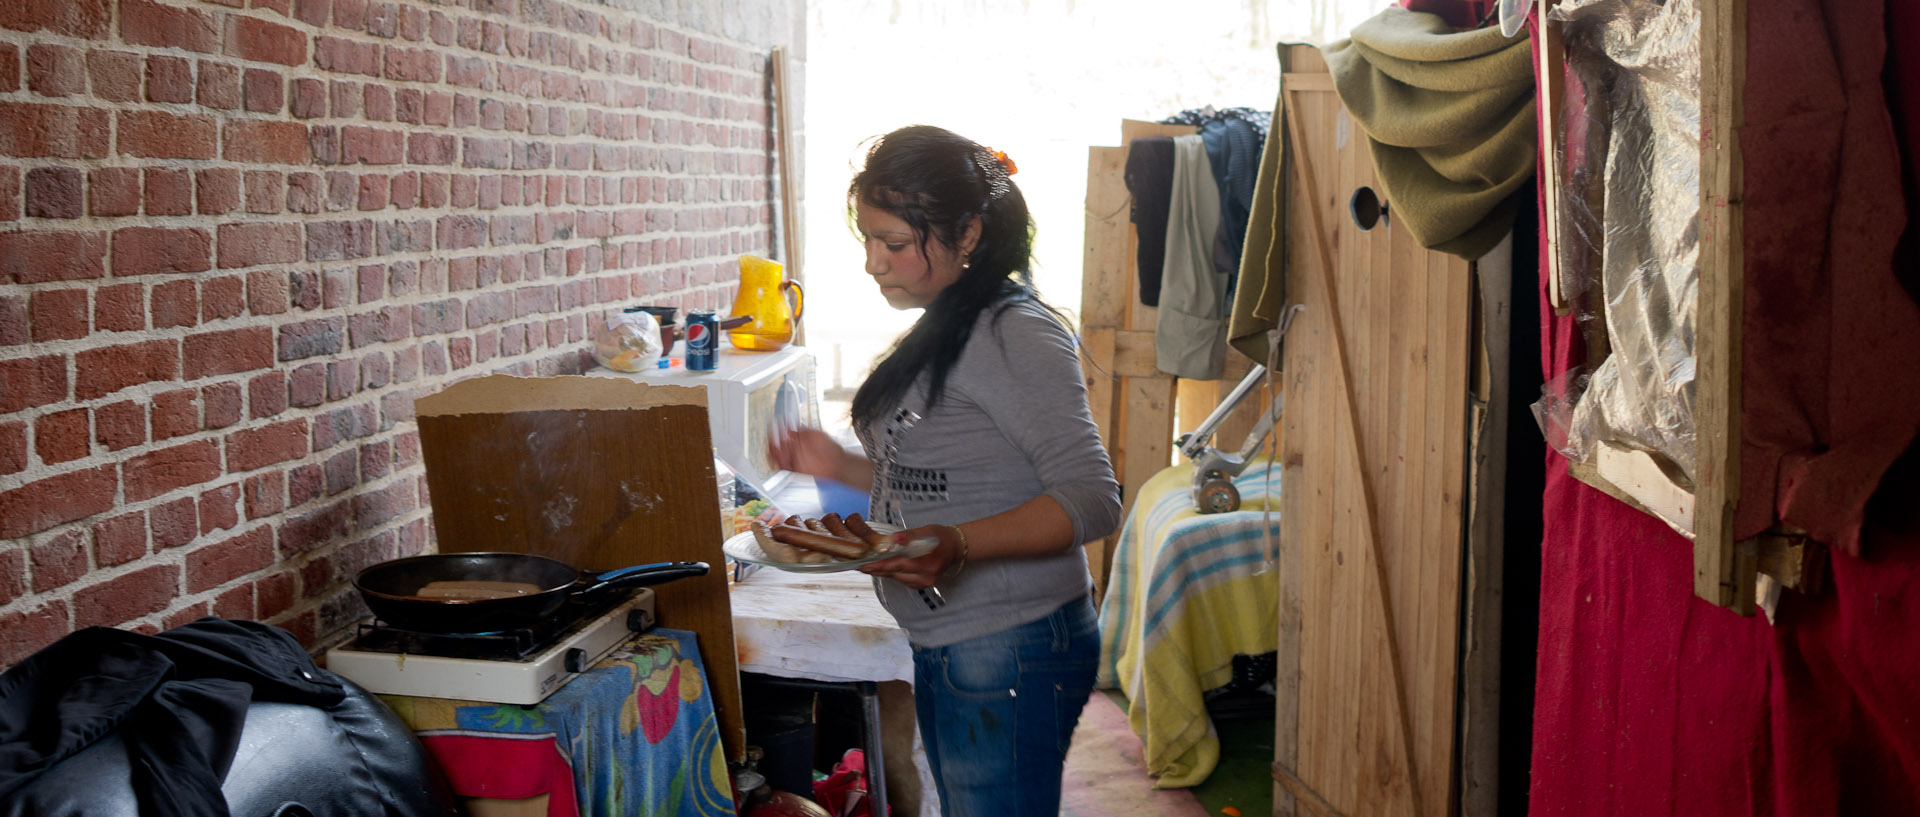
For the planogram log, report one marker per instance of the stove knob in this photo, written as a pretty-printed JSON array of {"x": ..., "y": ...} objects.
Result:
[
  {"x": 639, "y": 621},
  {"x": 576, "y": 659}
]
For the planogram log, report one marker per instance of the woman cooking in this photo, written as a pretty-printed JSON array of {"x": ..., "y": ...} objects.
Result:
[{"x": 976, "y": 431}]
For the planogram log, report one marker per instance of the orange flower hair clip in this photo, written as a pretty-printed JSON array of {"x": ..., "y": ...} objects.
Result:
[{"x": 1005, "y": 162}]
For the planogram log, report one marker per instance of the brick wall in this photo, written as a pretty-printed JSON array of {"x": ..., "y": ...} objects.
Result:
[{"x": 238, "y": 238}]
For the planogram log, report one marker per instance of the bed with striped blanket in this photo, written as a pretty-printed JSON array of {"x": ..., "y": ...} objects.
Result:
[{"x": 1188, "y": 592}]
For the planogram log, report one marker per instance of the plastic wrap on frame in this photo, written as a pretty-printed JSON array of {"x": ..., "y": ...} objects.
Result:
[{"x": 1629, "y": 207}]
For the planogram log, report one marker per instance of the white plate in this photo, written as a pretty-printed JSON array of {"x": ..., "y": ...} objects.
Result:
[{"x": 742, "y": 547}]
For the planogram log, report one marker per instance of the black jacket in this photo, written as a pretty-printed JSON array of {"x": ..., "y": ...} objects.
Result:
[{"x": 178, "y": 699}]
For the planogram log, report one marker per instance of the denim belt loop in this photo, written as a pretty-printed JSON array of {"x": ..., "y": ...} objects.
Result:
[{"x": 1062, "y": 634}]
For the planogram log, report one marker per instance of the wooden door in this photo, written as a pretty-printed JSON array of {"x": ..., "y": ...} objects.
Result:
[{"x": 1374, "y": 446}]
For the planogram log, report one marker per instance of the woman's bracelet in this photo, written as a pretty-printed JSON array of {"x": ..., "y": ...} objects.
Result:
[{"x": 954, "y": 569}]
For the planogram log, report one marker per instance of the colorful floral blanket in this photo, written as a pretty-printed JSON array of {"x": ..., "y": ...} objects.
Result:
[{"x": 636, "y": 735}]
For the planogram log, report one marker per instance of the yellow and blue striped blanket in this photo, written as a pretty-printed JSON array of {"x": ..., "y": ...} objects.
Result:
[{"x": 1188, "y": 591}]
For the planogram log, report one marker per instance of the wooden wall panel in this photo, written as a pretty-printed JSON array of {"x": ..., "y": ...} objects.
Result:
[{"x": 1374, "y": 443}]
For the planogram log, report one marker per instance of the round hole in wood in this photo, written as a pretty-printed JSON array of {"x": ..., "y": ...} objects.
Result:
[{"x": 1366, "y": 208}]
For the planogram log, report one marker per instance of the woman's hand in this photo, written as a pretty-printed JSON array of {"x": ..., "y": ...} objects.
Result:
[
  {"x": 807, "y": 451},
  {"x": 923, "y": 572}
]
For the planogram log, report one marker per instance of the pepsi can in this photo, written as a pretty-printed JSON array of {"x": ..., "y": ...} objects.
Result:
[{"x": 703, "y": 341}]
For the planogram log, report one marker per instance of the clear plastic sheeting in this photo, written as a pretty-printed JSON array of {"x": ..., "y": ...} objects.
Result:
[{"x": 1629, "y": 212}]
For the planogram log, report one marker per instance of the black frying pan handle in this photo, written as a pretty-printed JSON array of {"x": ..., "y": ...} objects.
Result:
[{"x": 646, "y": 575}]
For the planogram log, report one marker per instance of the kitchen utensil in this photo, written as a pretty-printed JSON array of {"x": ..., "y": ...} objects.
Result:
[
  {"x": 745, "y": 548},
  {"x": 391, "y": 589},
  {"x": 763, "y": 298}
]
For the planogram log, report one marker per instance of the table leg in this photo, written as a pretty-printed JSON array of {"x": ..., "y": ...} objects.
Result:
[{"x": 876, "y": 764}]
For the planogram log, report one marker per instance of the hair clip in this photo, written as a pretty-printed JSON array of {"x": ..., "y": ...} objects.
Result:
[{"x": 1005, "y": 162}]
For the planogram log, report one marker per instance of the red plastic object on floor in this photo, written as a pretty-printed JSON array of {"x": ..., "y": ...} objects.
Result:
[{"x": 844, "y": 790}]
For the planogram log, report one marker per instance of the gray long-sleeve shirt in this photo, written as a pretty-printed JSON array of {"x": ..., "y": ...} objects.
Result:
[{"x": 1013, "y": 424}]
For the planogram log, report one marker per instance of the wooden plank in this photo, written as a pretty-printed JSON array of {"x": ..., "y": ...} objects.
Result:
[
  {"x": 1381, "y": 588},
  {"x": 1310, "y": 800},
  {"x": 1552, "y": 97},
  {"x": 1131, "y": 129},
  {"x": 1719, "y": 574},
  {"x": 789, "y": 196},
  {"x": 1106, "y": 276},
  {"x": 1302, "y": 81},
  {"x": 1133, "y": 354},
  {"x": 1146, "y": 433},
  {"x": 1096, "y": 355},
  {"x": 549, "y": 466}
]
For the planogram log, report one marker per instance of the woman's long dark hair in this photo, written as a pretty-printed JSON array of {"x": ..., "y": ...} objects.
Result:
[{"x": 938, "y": 181}]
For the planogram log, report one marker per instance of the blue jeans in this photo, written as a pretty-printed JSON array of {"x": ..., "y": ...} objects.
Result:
[{"x": 996, "y": 713}]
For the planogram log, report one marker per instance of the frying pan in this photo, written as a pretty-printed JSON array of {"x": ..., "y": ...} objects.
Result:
[{"x": 392, "y": 588}]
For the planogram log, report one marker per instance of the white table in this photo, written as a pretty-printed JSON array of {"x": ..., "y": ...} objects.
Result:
[{"x": 829, "y": 628}]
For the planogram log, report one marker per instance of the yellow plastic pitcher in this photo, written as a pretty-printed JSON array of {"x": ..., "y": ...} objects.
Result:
[{"x": 763, "y": 298}]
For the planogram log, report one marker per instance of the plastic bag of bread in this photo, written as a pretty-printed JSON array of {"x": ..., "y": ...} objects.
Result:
[{"x": 629, "y": 342}]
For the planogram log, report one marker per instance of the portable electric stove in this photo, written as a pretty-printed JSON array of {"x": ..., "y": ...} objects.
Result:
[{"x": 513, "y": 666}]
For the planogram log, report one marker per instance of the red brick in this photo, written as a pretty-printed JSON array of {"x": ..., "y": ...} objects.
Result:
[
  {"x": 336, "y": 55},
  {"x": 252, "y": 38},
  {"x": 175, "y": 523},
  {"x": 223, "y": 297},
  {"x": 121, "y": 539},
  {"x": 61, "y": 436},
  {"x": 55, "y": 70},
  {"x": 158, "y": 250},
  {"x": 25, "y": 632},
  {"x": 161, "y": 135},
  {"x": 372, "y": 146},
  {"x": 192, "y": 612},
  {"x": 120, "y": 425},
  {"x": 222, "y": 402},
  {"x": 212, "y": 565},
  {"x": 150, "y": 475},
  {"x": 227, "y": 352},
  {"x": 304, "y": 194},
  {"x": 266, "y": 193},
  {"x": 59, "y": 561},
  {"x": 9, "y": 67},
  {"x": 13, "y": 576},
  {"x": 373, "y": 192},
  {"x": 107, "y": 369},
  {"x": 216, "y": 190},
  {"x": 264, "y": 91},
  {"x": 249, "y": 449},
  {"x": 218, "y": 86},
  {"x": 378, "y": 102},
  {"x": 220, "y": 508},
  {"x": 267, "y": 142},
  {"x": 235, "y": 603},
  {"x": 56, "y": 500},
  {"x": 55, "y": 131},
  {"x": 115, "y": 75},
  {"x": 9, "y": 193},
  {"x": 273, "y": 595},
  {"x": 58, "y": 314},
  {"x": 13, "y": 457},
  {"x": 175, "y": 303},
  {"x": 125, "y": 598},
  {"x": 267, "y": 394},
  {"x": 253, "y": 244},
  {"x": 323, "y": 526},
  {"x": 54, "y": 192},
  {"x": 267, "y": 293},
  {"x": 119, "y": 309},
  {"x": 175, "y": 413},
  {"x": 309, "y": 98},
  {"x": 15, "y": 325},
  {"x": 412, "y": 64},
  {"x": 143, "y": 22},
  {"x": 32, "y": 381},
  {"x": 169, "y": 79},
  {"x": 114, "y": 191},
  {"x": 265, "y": 495},
  {"x": 78, "y": 18},
  {"x": 169, "y": 191},
  {"x": 313, "y": 12},
  {"x": 307, "y": 386}
]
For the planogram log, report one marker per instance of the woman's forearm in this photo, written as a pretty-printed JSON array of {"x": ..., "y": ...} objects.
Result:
[
  {"x": 854, "y": 471},
  {"x": 1035, "y": 528}
]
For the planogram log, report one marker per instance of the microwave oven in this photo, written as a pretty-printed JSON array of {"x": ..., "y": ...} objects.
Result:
[{"x": 749, "y": 394}]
